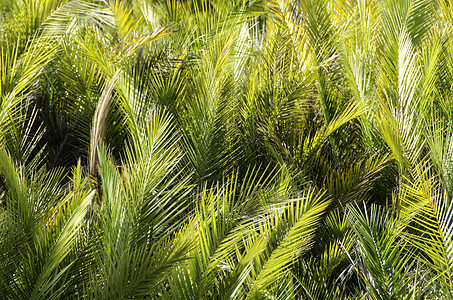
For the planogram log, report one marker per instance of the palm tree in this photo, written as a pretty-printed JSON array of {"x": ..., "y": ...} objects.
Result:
[{"x": 205, "y": 149}]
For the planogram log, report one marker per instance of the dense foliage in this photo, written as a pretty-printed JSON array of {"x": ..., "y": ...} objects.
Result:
[{"x": 226, "y": 149}]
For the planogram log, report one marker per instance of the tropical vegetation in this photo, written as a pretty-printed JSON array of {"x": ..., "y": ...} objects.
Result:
[{"x": 226, "y": 149}]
